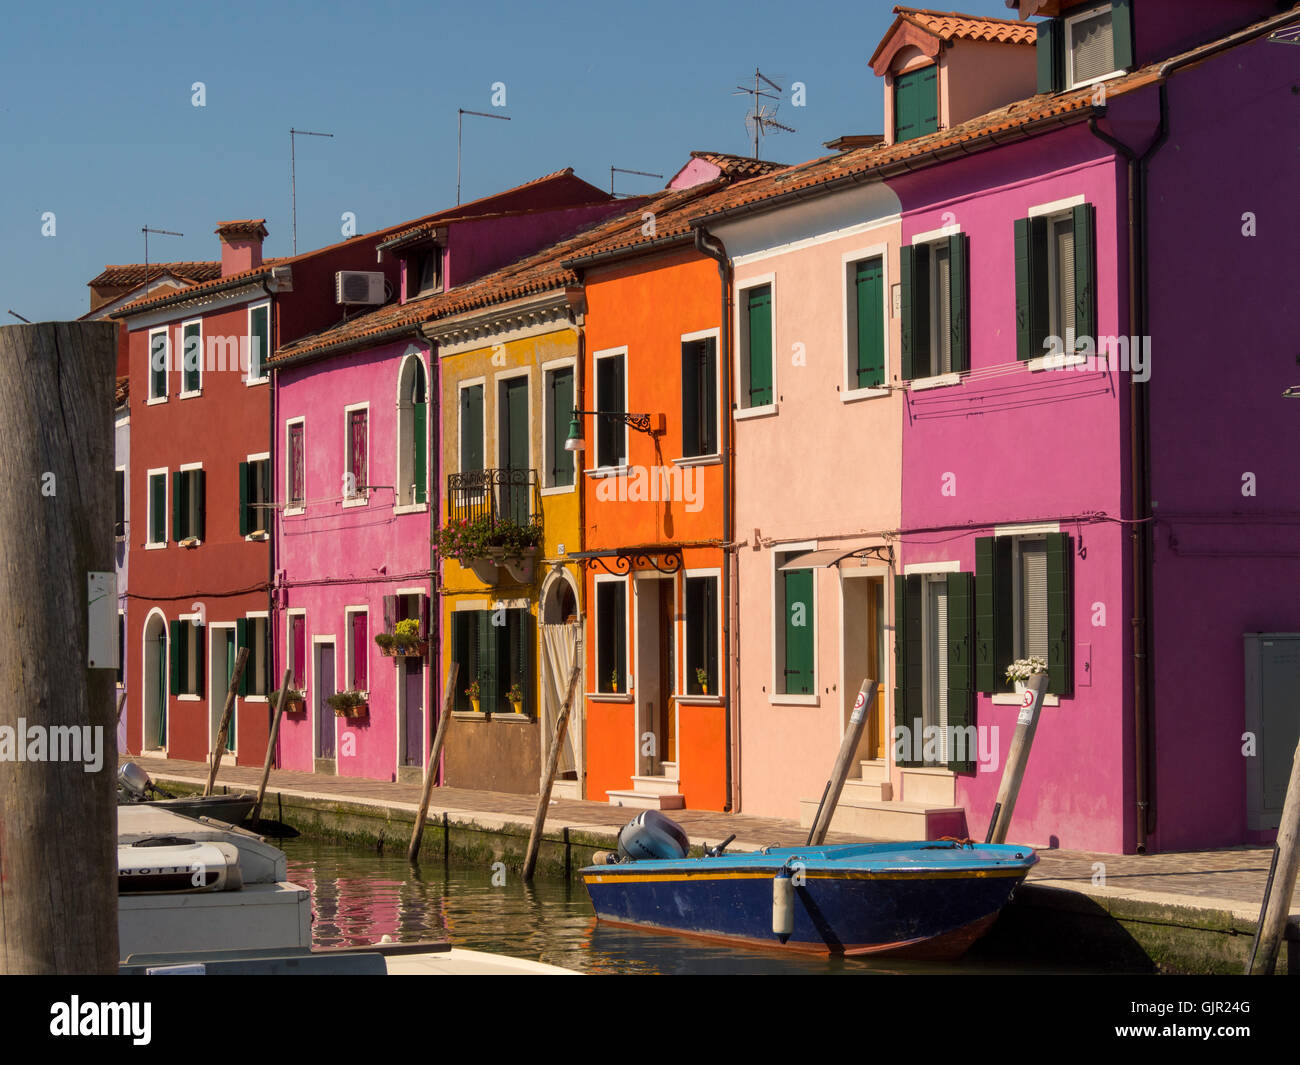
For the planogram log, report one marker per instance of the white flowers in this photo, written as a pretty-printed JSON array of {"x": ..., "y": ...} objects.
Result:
[{"x": 1024, "y": 668}]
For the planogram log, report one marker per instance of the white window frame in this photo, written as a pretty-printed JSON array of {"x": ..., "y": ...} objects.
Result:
[
  {"x": 776, "y": 697},
  {"x": 404, "y": 412},
  {"x": 264, "y": 513},
  {"x": 741, "y": 325},
  {"x": 253, "y": 616},
  {"x": 191, "y": 393},
  {"x": 1069, "y": 22},
  {"x": 350, "y": 650},
  {"x": 362, "y": 498},
  {"x": 167, "y": 365},
  {"x": 165, "y": 471},
  {"x": 850, "y": 259},
  {"x": 629, "y": 636},
  {"x": 249, "y": 379},
  {"x": 290, "y": 508},
  {"x": 711, "y": 457},
  {"x": 190, "y": 666},
  {"x": 183, "y": 469},
  {"x": 597, "y": 470},
  {"x": 549, "y": 368}
]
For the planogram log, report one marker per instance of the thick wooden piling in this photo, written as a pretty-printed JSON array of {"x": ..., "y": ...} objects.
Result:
[
  {"x": 448, "y": 698},
  {"x": 1017, "y": 758},
  {"x": 862, "y": 707},
  {"x": 256, "y": 812},
  {"x": 219, "y": 749},
  {"x": 552, "y": 761}
]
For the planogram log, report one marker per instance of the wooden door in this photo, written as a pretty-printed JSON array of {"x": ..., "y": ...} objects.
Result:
[{"x": 324, "y": 689}]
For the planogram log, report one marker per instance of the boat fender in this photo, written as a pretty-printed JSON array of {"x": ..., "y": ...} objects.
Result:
[
  {"x": 782, "y": 904},
  {"x": 604, "y": 858}
]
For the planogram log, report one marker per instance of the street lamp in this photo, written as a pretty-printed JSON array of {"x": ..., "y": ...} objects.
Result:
[{"x": 642, "y": 423}]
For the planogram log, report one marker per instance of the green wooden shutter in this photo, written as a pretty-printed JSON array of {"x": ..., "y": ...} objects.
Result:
[
  {"x": 464, "y": 649},
  {"x": 907, "y": 296},
  {"x": 174, "y": 658},
  {"x": 200, "y": 510},
  {"x": 1031, "y": 287},
  {"x": 1060, "y": 616},
  {"x": 561, "y": 411},
  {"x": 611, "y": 434},
  {"x": 959, "y": 301},
  {"x": 158, "y": 512},
  {"x": 994, "y": 619},
  {"x": 961, "y": 670},
  {"x": 916, "y": 103},
  {"x": 245, "y": 495},
  {"x": 758, "y": 302},
  {"x": 191, "y": 358},
  {"x": 241, "y": 641},
  {"x": 525, "y": 642},
  {"x": 197, "y": 634},
  {"x": 471, "y": 429},
  {"x": 869, "y": 284},
  {"x": 927, "y": 100},
  {"x": 1085, "y": 271},
  {"x": 419, "y": 427},
  {"x": 180, "y": 522},
  {"x": 489, "y": 639},
  {"x": 909, "y": 665},
  {"x": 1121, "y": 28},
  {"x": 690, "y": 400},
  {"x": 798, "y": 664},
  {"x": 1050, "y": 55}
]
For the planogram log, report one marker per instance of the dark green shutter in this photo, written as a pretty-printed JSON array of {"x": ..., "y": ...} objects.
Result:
[
  {"x": 261, "y": 340},
  {"x": 419, "y": 427},
  {"x": 1060, "y": 617},
  {"x": 906, "y": 298},
  {"x": 909, "y": 666},
  {"x": 191, "y": 358},
  {"x": 961, "y": 668},
  {"x": 798, "y": 664},
  {"x": 1050, "y": 55},
  {"x": 241, "y": 641},
  {"x": 869, "y": 283},
  {"x": 180, "y": 523},
  {"x": 174, "y": 658},
  {"x": 197, "y": 634},
  {"x": 610, "y": 432},
  {"x": 1031, "y": 287},
  {"x": 1121, "y": 24},
  {"x": 158, "y": 487},
  {"x": 561, "y": 412},
  {"x": 1085, "y": 271},
  {"x": 471, "y": 429},
  {"x": 958, "y": 300},
  {"x": 916, "y": 103},
  {"x": 994, "y": 620},
  {"x": 245, "y": 494},
  {"x": 758, "y": 303},
  {"x": 200, "y": 509},
  {"x": 690, "y": 400},
  {"x": 464, "y": 650},
  {"x": 523, "y": 656},
  {"x": 489, "y": 641}
]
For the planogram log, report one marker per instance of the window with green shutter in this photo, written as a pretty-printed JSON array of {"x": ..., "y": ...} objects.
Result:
[
  {"x": 259, "y": 340},
  {"x": 471, "y": 429},
  {"x": 611, "y": 636},
  {"x": 960, "y": 679},
  {"x": 1056, "y": 282},
  {"x": 796, "y": 662},
  {"x": 254, "y": 496},
  {"x": 916, "y": 103},
  {"x": 464, "y": 652},
  {"x": 1087, "y": 46},
  {"x": 559, "y": 410},
  {"x": 191, "y": 358},
  {"x": 909, "y": 667},
  {"x": 868, "y": 336},
  {"x": 158, "y": 508},
  {"x": 188, "y": 492},
  {"x": 518, "y": 657},
  {"x": 158, "y": 364},
  {"x": 934, "y": 305},
  {"x": 759, "y": 374},
  {"x": 699, "y": 397}
]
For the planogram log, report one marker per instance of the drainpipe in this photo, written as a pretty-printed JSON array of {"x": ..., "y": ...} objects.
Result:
[
  {"x": 433, "y": 496},
  {"x": 272, "y": 617},
  {"x": 711, "y": 246},
  {"x": 580, "y": 328}
]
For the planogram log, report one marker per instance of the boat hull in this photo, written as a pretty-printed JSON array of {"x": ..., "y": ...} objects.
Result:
[{"x": 935, "y": 909}]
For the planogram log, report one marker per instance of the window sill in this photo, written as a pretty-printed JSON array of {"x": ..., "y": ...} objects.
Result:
[
  {"x": 293, "y": 512},
  {"x": 155, "y": 400},
  {"x": 1012, "y": 699},
  {"x": 794, "y": 700},
  {"x": 189, "y": 543},
  {"x": 154, "y": 547},
  {"x": 560, "y": 489},
  {"x": 944, "y": 380},
  {"x": 609, "y": 697},
  {"x": 348, "y": 503},
  {"x": 469, "y": 715},
  {"x": 607, "y": 471},
  {"x": 253, "y": 698},
  {"x": 856, "y": 394},
  {"x": 519, "y": 719},
  {"x": 928, "y": 770},
  {"x": 186, "y": 698},
  {"x": 251, "y": 381},
  {"x": 258, "y": 536},
  {"x": 698, "y": 460},
  {"x": 1055, "y": 362},
  {"x": 411, "y": 508},
  {"x": 190, "y": 395},
  {"x": 741, "y": 413},
  {"x": 698, "y": 700}
]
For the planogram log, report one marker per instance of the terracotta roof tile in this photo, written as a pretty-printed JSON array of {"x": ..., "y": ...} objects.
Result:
[
  {"x": 738, "y": 166},
  {"x": 947, "y": 25},
  {"x": 121, "y": 389},
  {"x": 242, "y": 227},
  {"x": 133, "y": 273}
]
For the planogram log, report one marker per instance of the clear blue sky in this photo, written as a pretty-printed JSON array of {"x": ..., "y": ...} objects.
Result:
[{"x": 97, "y": 124}]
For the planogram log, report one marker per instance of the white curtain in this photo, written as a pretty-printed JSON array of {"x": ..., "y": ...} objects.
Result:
[{"x": 561, "y": 645}]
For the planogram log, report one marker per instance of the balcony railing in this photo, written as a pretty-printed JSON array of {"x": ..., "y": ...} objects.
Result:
[{"x": 499, "y": 494}]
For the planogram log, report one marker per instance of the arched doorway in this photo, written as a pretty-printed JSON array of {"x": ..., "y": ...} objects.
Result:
[
  {"x": 412, "y": 432},
  {"x": 154, "y": 686},
  {"x": 559, "y": 641}
]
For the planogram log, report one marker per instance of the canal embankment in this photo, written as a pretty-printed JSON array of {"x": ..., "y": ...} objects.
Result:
[{"x": 1180, "y": 913}]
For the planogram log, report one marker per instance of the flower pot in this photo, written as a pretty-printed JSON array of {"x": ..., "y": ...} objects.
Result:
[
  {"x": 391, "y": 651},
  {"x": 475, "y": 703},
  {"x": 295, "y": 706},
  {"x": 517, "y": 705},
  {"x": 522, "y": 566},
  {"x": 355, "y": 713}
]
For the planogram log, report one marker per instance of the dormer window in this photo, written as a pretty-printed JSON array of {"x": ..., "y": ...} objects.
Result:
[
  {"x": 1085, "y": 48},
  {"x": 421, "y": 272},
  {"x": 916, "y": 103},
  {"x": 1090, "y": 51}
]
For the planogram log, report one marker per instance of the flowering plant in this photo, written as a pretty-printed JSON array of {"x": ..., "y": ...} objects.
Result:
[
  {"x": 1024, "y": 668},
  {"x": 516, "y": 693},
  {"x": 407, "y": 632},
  {"x": 473, "y": 689}
]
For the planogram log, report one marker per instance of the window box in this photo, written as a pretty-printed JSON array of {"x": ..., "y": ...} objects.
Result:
[
  {"x": 295, "y": 702},
  {"x": 190, "y": 541},
  {"x": 349, "y": 704},
  {"x": 521, "y": 566}
]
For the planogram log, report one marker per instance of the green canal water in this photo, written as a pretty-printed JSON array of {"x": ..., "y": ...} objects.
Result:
[{"x": 359, "y": 896}]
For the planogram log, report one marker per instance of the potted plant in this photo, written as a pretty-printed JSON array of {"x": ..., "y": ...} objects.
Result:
[
  {"x": 516, "y": 697},
  {"x": 473, "y": 692},
  {"x": 386, "y": 643},
  {"x": 613, "y": 680},
  {"x": 702, "y": 679},
  {"x": 349, "y": 704},
  {"x": 1023, "y": 668},
  {"x": 406, "y": 638},
  {"x": 295, "y": 701},
  {"x": 468, "y": 541},
  {"x": 518, "y": 544}
]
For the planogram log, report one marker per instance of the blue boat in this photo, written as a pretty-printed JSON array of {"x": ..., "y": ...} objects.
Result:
[{"x": 921, "y": 900}]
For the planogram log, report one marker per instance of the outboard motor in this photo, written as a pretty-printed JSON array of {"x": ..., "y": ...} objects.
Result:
[
  {"x": 652, "y": 835},
  {"x": 134, "y": 781}
]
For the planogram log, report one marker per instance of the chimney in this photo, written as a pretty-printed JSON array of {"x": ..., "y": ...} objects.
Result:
[{"x": 241, "y": 244}]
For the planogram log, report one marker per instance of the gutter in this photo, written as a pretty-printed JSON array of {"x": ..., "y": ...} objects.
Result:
[
  {"x": 711, "y": 246},
  {"x": 273, "y": 617},
  {"x": 394, "y": 332},
  {"x": 188, "y": 294}
]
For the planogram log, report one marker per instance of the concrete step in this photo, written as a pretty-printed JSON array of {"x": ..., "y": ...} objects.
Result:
[
  {"x": 566, "y": 789},
  {"x": 928, "y": 786},
  {"x": 867, "y": 791},
  {"x": 641, "y": 800},
  {"x": 890, "y": 820},
  {"x": 664, "y": 785},
  {"x": 874, "y": 771}
]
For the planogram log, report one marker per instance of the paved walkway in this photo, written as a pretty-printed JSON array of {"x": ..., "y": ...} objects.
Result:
[{"x": 1231, "y": 879}]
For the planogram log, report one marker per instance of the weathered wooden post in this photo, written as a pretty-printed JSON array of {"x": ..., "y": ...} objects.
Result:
[
  {"x": 448, "y": 698},
  {"x": 552, "y": 762},
  {"x": 1275, "y": 910},
  {"x": 862, "y": 707},
  {"x": 1017, "y": 758},
  {"x": 58, "y": 650},
  {"x": 219, "y": 750},
  {"x": 256, "y": 812}
]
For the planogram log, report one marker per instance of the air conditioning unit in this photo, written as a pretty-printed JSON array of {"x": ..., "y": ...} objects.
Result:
[{"x": 359, "y": 286}]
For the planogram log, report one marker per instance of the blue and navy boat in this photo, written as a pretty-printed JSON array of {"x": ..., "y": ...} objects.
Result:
[{"x": 921, "y": 900}]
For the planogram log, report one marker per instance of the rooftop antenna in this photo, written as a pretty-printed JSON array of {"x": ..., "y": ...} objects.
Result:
[
  {"x": 763, "y": 117},
  {"x": 293, "y": 177},
  {"x": 621, "y": 170},
  {"x": 146, "y": 230},
  {"x": 19, "y": 316},
  {"x": 460, "y": 117}
]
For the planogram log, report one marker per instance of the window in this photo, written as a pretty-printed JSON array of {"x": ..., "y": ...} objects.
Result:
[
  {"x": 1023, "y": 600},
  {"x": 916, "y": 103},
  {"x": 186, "y": 657},
  {"x": 158, "y": 364},
  {"x": 496, "y": 648},
  {"x": 188, "y": 490},
  {"x": 611, "y": 398},
  {"x": 559, "y": 409},
  {"x": 933, "y": 696},
  {"x": 867, "y": 336},
  {"x": 1056, "y": 273},
  {"x": 358, "y": 647},
  {"x": 795, "y": 631},
  {"x": 756, "y": 369},
  {"x": 254, "y": 496},
  {"x": 253, "y": 633},
  {"x": 119, "y": 520},
  {"x": 699, "y": 397},
  {"x": 611, "y": 636},
  {"x": 701, "y": 635},
  {"x": 933, "y": 307},
  {"x": 421, "y": 273},
  {"x": 412, "y": 434},
  {"x": 157, "y": 507},
  {"x": 259, "y": 341},
  {"x": 295, "y": 466},
  {"x": 297, "y": 649},
  {"x": 356, "y": 485},
  {"x": 1086, "y": 47},
  {"x": 515, "y": 452},
  {"x": 471, "y": 428},
  {"x": 192, "y": 358}
]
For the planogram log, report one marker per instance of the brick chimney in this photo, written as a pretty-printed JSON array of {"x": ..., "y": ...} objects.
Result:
[{"x": 241, "y": 244}]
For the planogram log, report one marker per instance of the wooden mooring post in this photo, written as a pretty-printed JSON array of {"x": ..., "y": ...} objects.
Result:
[
  {"x": 219, "y": 750},
  {"x": 440, "y": 737},
  {"x": 256, "y": 812},
  {"x": 1013, "y": 773},
  {"x": 552, "y": 761},
  {"x": 58, "y": 650},
  {"x": 862, "y": 707},
  {"x": 1275, "y": 910}
]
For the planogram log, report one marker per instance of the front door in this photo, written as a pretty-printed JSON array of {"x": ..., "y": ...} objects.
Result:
[
  {"x": 413, "y": 703},
  {"x": 324, "y": 689}
]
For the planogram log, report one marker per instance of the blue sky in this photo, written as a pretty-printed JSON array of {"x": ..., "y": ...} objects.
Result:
[{"x": 97, "y": 122}]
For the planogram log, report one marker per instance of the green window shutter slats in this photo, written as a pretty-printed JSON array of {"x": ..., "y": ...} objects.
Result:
[
  {"x": 201, "y": 491},
  {"x": 471, "y": 429},
  {"x": 561, "y": 411},
  {"x": 1024, "y": 318},
  {"x": 158, "y": 508},
  {"x": 464, "y": 650},
  {"x": 798, "y": 665},
  {"x": 245, "y": 496},
  {"x": 611, "y": 434},
  {"x": 489, "y": 644},
  {"x": 419, "y": 427},
  {"x": 174, "y": 658},
  {"x": 699, "y": 398},
  {"x": 958, "y": 300},
  {"x": 1122, "y": 33},
  {"x": 916, "y": 103},
  {"x": 758, "y": 305},
  {"x": 525, "y": 642},
  {"x": 907, "y": 297},
  {"x": 994, "y": 618},
  {"x": 1050, "y": 55},
  {"x": 1085, "y": 271},
  {"x": 869, "y": 283},
  {"x": 961, "y": 670},
  {"x": 191, "y": 357},
  {"x": 1031, "y": 287},
  {"x": 241, "y": 642},
  {"x": 1060, "y": 617},
  {"x": 260, "y": 342},
  {"x": 179, "y": 524},
  {"x": 909, "y": 662},
  {"x": 197, "y": 633}
]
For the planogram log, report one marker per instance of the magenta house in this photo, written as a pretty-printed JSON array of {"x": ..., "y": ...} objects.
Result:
[{"x": 357, "y": 489}]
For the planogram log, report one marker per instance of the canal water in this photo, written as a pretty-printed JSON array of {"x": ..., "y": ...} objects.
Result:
[{"x": 360, "y": 895}]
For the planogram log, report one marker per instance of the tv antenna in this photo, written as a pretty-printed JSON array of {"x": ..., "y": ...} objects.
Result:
[
  {"x": 623, "y": 170},
  {"x": 763, "y": 117},
  {"x": 146, "y": 230},
  {"x": 460, "y": 118},
  {"x": 293, "y": 177}
]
